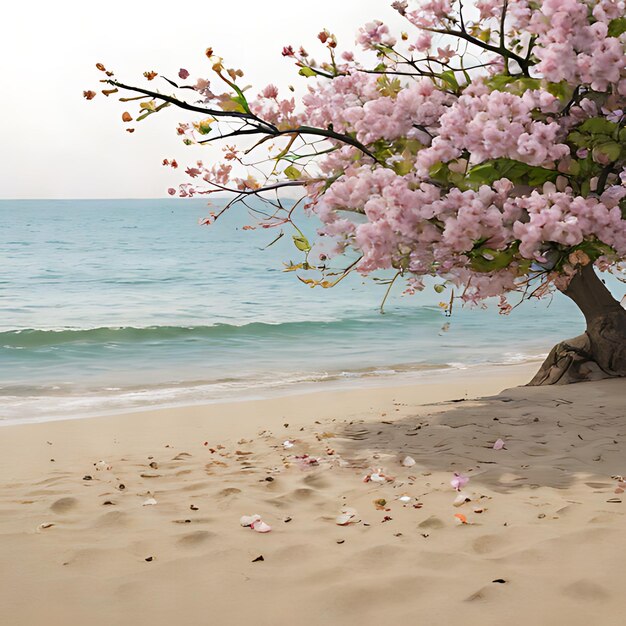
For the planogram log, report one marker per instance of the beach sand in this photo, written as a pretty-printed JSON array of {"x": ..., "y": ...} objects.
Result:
[{"x": 543, "y": 543}]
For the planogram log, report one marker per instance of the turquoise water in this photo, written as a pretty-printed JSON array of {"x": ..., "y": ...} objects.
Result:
[{"x": 112, "y": 304}]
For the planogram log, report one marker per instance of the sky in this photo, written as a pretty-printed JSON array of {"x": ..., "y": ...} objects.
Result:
[{"x": 58, "y": 145}]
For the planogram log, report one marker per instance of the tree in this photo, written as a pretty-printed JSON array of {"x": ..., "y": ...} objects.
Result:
[{"x": 486, "y": 149}]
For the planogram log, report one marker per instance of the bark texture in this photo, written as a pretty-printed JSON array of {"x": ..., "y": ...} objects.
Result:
[{"x": 600, "y": 352}]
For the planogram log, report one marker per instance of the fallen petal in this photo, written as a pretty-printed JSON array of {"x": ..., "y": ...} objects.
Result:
[
  {"x": 459, "y": 481},
  {"x": 260, "y": 526},
  {"x": 408, "y": 461},
  {"x": 461, "y": 518},
  {"x": 405, "y": 499},
  {"x": 149, "y": 502},
  {"x": 248, "y": 520},
  {"x": 498, "y": 445}
]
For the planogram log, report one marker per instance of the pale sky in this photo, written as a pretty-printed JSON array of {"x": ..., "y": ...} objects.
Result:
[{"x": 55, "y": 144}]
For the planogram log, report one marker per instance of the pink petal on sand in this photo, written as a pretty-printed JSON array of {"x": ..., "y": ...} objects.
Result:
[
  {"x": 260, "y": 526},
  {"x": 498, "y": 445},
  {"x": 459, "y": 481}
]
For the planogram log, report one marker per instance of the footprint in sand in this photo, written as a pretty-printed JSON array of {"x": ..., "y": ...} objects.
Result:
[
  {"x": 585, "y": 590},
  {"x": 317, "y": 481},
  {"x": 488, "y": 543},
  {"x": 303, "y": 493},
  {"x": 434, "y": 523},
  {"x": 64, "y": 505},
  {"x": 196, "y": 538},
  {"x": 229, "y": 491},
  {"x": 112, "y": 518}
]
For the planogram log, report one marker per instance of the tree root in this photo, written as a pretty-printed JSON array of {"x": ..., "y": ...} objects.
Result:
[
  {"x": 570, "y": 361},
  {"x": 598, "y": 353}
]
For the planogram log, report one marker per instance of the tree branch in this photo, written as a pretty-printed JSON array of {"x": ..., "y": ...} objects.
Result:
[
  {"x": 261, "y": 125},
  {"x": 502, "y": 51}
]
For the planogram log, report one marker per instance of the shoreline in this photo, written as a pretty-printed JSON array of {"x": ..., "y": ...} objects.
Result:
[{"x": 419, "y": 377}]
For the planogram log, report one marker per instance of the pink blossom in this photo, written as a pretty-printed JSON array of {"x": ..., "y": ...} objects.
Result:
[
  {"x": 271, "y": 91},
  {"x": 459, "y": 481},
  {"x": 406, "y": 193},
  {"x": 375, "y": 34}
]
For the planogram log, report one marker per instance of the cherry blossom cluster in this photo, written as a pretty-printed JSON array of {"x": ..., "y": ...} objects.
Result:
[{"x": 487, "y": 149}]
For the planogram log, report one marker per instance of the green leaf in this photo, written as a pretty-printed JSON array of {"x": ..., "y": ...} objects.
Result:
[
  {"x": 242, "y": 102},
  {"x": 489, "y": 260},
  {"x": 578, "y": 139},
  {"x": 520, "y": 85},
  {"x": 307, "y": 72},
  {"x": 598, "y": 126},
  {"x": 484, "y": 35},
  {"x": 585, "y": 188},
  {"x": 204, "y": 126},
  {"x": 240, "y": 98},
  {"x": 439, "y": 172},
  {"x": 573, "y": 168},
  {"x": 540, "y": 175},
  {"x": 292, "y": 173},
  {"x": 449, "y": 77},
  {"x": 484, "y": 173},
  {"x": 617, "y": 27},
  {"x": 301, "y": 242},
  {"x": 500, "y": 81},
  {"x": 563, "y": 90},
  {"x": 232, "y": 104},
  {"x": 143, "y": 116},
  {"x": 488, "y": 172},
  {"x": 611, "y": 150}
]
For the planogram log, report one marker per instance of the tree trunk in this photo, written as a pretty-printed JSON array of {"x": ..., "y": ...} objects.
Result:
[{"x": 600, "y": 352}]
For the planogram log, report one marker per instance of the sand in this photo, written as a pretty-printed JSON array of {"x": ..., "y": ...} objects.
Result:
[{"x": 544, "y": 543}]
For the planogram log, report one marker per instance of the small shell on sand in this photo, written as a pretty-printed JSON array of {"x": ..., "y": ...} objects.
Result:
[
  {"x": 248, "y": 520},
  {"x": 260, "y": 526}
]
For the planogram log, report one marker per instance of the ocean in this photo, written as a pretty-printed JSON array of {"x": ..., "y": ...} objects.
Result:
[{"x": 109, "y": 305}]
